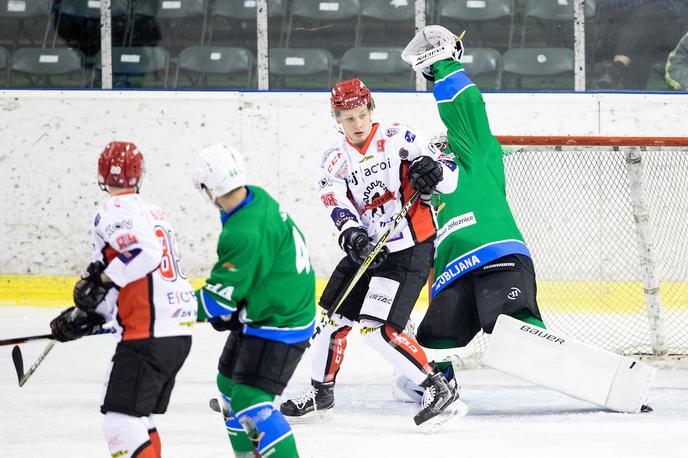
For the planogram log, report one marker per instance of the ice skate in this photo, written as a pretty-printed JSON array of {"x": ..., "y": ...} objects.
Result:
[{"x": 317, "y": 399}]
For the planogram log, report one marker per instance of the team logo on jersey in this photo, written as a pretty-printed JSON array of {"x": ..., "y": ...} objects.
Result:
[
  {"x": 403, "y": 154},
  {"x": 229, "y": 266},
  {"x": 328, "y": 199},
  {"x": 376, "y": 196},
  {"x": 392, "y": 131},
  {"x": 340, "y": 216},
  {"x": 410, "y": 136},
  {"x": 380, "y": 145}
]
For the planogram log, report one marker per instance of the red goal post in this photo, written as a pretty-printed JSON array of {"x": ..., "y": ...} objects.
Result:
[{"x": 606, "y": 220}]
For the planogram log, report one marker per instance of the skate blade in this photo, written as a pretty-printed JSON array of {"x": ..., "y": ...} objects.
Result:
[
  {"x": 317, "y": 416},
  {"x": 454, "y": 412}
]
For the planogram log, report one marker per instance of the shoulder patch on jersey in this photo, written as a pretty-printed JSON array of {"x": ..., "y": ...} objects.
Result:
[
  {"x": 449, "y": 163},
  {"x": 326, "y": 156},
  {"x": 409, "y": 136},
  {"x": 324, "y": 183},
  {"x": 329, "y": 200},
  {"x": 341, "y": 215},
  {"x": 392, "y": 131}
]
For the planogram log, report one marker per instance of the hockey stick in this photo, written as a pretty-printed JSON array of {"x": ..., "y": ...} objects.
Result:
[
  {"x": 18, "y": 360},
  {"x": 376, "y": 249},
  {"x": 19, "y": 340},
  {"x": 22, "y": 376}
]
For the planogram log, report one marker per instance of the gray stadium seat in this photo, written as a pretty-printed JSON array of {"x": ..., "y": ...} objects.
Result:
[
  {"x": 197, "y": 63},
  {"x": 330, "y": 22},
  {"x": 538, "y": 62},
  {"x": 47, "y": 67},
  {"x": 145, "y": 66},
  {"x": 25, "y": 21},
  {"x": 384, "y": 22},
  {"x": 389, "y": 71},
  {"x": 488, "y": 22},
  {"x": 300, "y": 63},
  {"x": 4, "y": 66},
  {"x": 239, "y": 21},
  {"x": 555, "y": 19},
  {"x": 485, "y": 62}
]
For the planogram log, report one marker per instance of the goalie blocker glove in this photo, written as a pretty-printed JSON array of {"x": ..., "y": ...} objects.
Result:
[
  {"x": 424, "y": 174},
  {"x": 356, "y": 243},
  {"x": 73, "y": 324},
  {"x": 90, "y": 290}
]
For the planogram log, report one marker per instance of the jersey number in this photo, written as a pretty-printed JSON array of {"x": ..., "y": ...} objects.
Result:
[
  {"x": 169, "y": 265},
  {"x": 303, "y": 262}
]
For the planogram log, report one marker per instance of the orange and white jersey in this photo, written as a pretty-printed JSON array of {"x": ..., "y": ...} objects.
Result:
[
  {"x": 152, "y": 297},
  {"x": 367, "y": 186}
]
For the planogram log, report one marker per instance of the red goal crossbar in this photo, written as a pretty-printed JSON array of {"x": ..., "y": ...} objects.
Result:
[{"x": 592, "y": 141}]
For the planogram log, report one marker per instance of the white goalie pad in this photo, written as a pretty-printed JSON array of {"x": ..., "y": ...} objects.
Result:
[{"x": 577, "y": 369}]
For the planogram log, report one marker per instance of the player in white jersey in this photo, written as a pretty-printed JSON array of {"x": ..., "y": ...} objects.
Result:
[
  {"x": 365, "y": 178},
  {"x": 135, "y": 281}
]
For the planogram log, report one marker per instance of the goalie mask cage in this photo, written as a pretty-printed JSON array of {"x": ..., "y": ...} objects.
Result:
[{"x": 606, "y": 220}]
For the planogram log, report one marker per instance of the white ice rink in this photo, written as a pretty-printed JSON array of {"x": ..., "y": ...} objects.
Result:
[{"x": 55, "y": 415}]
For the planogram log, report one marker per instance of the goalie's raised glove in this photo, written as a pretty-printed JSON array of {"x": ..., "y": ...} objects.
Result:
[
  {"x": 73, "y": 323},
  {"x": 431, "y": 44},
  {"x": 356, "y": 243},
  {"x": 90, "y": 290},
  {"x": 424, "y": 174}
]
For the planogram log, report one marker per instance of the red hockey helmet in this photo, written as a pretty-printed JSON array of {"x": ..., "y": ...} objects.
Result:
[
  {"x": 350, "y": 94},
  {"x": 120, "y": 165}
]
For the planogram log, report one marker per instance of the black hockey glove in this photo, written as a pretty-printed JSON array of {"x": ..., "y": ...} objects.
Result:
[
  {"x": 73, "y": 323},
  {"x": 425, "y": 173},
  {"x": 226, "y": 322},
  {"x": 90, "y": 290},
  {"x": 355, "y": 242}
]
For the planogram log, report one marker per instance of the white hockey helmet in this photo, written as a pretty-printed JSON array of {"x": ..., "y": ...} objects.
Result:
[{"x": 219, "y": 169}]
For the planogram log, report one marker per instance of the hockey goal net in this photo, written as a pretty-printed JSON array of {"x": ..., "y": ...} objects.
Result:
[{"x": 606, "y": 220}]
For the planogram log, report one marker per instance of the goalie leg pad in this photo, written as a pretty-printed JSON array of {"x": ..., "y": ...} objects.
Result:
[
  {"x": 127, "y": 436},
  {"x": 574, "y": 368}
]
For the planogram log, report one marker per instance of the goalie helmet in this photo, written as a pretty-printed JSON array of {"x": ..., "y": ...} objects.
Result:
[
  {"x": 219, "y": 169},
  {"x": 120, "y": 165},
  {"x": 350, "y": 94}
]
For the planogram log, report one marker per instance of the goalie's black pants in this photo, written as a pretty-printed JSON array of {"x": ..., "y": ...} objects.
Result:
[{"x": 474, "y": 301}]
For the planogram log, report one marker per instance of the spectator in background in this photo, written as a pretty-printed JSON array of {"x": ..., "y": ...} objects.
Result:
[
  {"x": 635, "y": 33},
  {"x": 677, "y": 66}
]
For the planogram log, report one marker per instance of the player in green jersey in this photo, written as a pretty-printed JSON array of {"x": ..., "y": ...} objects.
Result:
[
  {"x": 484, "y": 276},
  {"x": 482, "y": 266},
  {"x": 262, "y": 288}
]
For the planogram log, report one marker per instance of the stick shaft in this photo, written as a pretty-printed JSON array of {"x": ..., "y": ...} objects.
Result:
[{"x": 381, "y": 243}]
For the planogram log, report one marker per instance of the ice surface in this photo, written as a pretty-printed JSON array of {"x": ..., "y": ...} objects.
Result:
[{"x": 56, "y": 413}]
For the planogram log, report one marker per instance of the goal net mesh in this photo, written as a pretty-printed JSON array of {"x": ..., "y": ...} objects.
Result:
[{"x": 575, "y": 207}]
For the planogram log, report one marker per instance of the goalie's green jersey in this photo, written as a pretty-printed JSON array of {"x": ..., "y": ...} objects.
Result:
[
  {"x": 475, "y": 222},
  {"x": 263, "y": 272}
]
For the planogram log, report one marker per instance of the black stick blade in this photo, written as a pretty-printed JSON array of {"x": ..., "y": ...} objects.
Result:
[{"x": 18, "y": 363}]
